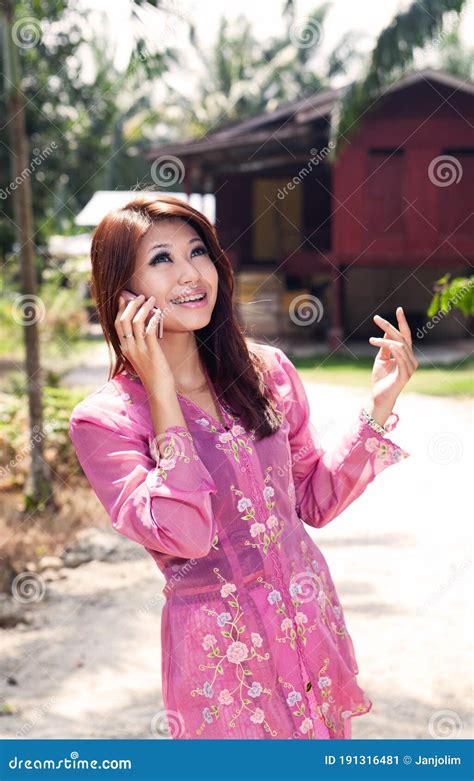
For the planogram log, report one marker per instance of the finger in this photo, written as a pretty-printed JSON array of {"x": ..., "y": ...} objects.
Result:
[
  {"x": 153, "y": 324},
  {"x": 126, "y": 307},
  {"x": 384, "y": 352},
  {"x": 139, "y": 318},
  {"x": 403, "y": 325},
  {"x": 397, "y": 348},
  {"x": 389, "y": 329},
  {"x": 144, "y": 309},
  {"x": 400, "y": 357},
  {"x": 402, "y": 364},
  {"x": 406, "y": 351},
  {"x": 124, "y": 319},
  {"x": 121, "y": 307}
]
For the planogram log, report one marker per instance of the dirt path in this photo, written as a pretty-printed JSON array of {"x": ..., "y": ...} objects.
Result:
[
  {"x": 89, "y": 667},
  {"x": 401, "y": 558}
]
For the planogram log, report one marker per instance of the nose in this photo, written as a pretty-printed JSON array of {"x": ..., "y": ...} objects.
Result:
[{"x": 189, "y": 274}]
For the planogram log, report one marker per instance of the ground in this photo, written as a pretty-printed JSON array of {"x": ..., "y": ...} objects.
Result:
[{"x": 401, "y": 559}]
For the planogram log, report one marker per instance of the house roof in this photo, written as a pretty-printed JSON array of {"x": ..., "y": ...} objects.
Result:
[
  {"x": 431, "y": 74},
  {"x": 255, "y": 130},
  {"x": 104, "y": 201},
  {"x": 298, "y": 113}
]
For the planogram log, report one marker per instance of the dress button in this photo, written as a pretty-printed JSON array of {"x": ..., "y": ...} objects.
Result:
[{"x": 308, "y": 686}]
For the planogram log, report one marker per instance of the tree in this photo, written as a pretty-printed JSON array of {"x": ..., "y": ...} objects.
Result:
[
  {"x": 38, "y": 490},
  {"x": 85, "y": 117},
  {"x": 22, "y": 33},
  {"x": 392, "y": 55},
  {"x": 242, "y": 76},
  {"x": 449, "y": 293}
]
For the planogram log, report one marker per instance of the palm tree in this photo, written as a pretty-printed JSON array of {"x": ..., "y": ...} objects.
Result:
[
  {"x": 242, "y": 76},
  {"x": 456, "y": 58},
  {"x": 392, "y": 55}
]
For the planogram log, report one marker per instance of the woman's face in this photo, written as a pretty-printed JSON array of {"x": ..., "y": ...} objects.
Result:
[{"x": 173, "y": 262}]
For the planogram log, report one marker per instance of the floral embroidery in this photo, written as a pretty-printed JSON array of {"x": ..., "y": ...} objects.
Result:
[
  {"x": 311, "y": 585},
  {"x": 288, "y": 622},
  {"x": 326, "y": 710},
  {"x": 269, "y": 532},
  {"x": 385, "y": 451},
  {"x": 234, "y": 438},
  {"x": 231, "y": 441},
  {"x": 294, "y": 697},
  {"x": 167, "y": 460},
  {"x": 237, "y": 651}
]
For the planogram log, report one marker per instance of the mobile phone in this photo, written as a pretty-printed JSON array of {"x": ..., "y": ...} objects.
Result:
[{"x": 129, "y": 296}]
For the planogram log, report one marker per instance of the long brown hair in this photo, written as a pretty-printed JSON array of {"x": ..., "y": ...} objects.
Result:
[{"x": 235, "y": 367}]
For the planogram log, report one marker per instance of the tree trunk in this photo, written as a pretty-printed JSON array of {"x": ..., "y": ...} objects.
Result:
[{"x": 38, "y": 490}]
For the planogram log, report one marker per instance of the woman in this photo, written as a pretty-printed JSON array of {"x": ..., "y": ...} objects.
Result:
[{"x": 201, "y": 449}]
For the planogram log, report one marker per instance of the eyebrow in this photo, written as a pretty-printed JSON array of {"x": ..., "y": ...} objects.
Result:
[{"x": 168, "y": 246}]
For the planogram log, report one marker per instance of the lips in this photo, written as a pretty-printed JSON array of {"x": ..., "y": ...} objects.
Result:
[{"x": 186, "y": 299}]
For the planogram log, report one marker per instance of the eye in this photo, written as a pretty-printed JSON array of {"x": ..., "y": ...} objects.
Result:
[
  {"x": 165, "y": 255},
  {"x": 157, "y": 258},
  {"x": 201, "y": 249}
]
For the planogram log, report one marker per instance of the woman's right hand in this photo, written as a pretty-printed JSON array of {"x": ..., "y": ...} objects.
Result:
[{"x": 143, "y": 349}]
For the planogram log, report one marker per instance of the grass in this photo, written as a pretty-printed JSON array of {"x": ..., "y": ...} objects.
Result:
[{"x": 455, "y": 379}]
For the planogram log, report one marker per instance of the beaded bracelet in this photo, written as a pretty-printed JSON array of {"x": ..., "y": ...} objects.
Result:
[{"x": 364, "y": 415}]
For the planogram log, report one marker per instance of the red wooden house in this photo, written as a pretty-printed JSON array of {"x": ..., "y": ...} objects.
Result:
[{"x": 318, "y": 248}]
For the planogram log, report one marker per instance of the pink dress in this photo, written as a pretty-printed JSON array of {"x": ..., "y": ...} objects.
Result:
[{"x": 254, "y": 642}]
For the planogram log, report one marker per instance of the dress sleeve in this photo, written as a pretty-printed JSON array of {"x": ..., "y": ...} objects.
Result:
[
  {"x": 160, "y": 501},
  {"x": 328, "y": 482}
]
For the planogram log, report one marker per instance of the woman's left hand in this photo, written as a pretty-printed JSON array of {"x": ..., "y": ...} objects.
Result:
[{"x": 390, "y": 375}]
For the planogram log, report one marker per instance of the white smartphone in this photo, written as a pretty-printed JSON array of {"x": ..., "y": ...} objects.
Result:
[{"x": 129, "y": 296}]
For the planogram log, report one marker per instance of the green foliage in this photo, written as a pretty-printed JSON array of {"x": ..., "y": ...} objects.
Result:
[
  {"x": 457, "y": 293},
  {"x": 15, "y": 442},
  {"x": 86, "y": 119},
  {"x": 243, "y": 76},
  {"x": 62, "y": 314},
  {"x": 456, "y": 58},
  {"x": 409, "y": 31}
]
